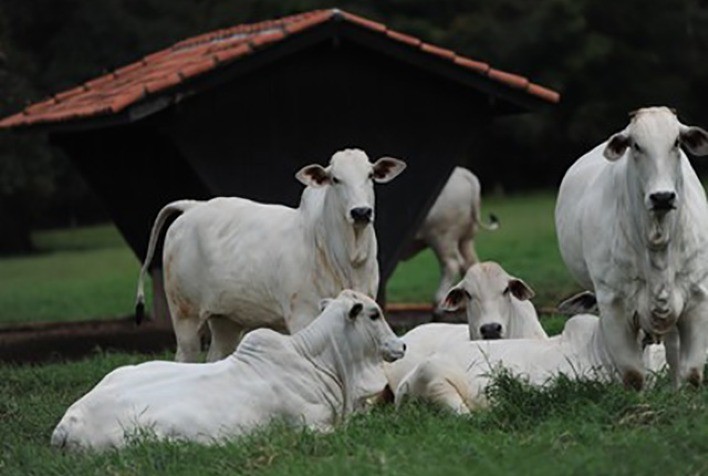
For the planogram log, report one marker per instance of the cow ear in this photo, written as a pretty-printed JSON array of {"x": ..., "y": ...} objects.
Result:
[
  {"x": 324, "y": 303},
  {"x": 616, "y": 146},
  {"x": 520, "y": 290},
  {"x": 581, "y": 303},
  {"x": 456, "y": 298},
  {"x": 387, "y": 168},
  {"x": 694, "y": 139},
  {"x": 313, "y": 175},
  {"x": 355, "y": 310}
]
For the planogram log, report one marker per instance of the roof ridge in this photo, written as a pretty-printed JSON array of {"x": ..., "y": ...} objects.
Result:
[{"x": 246, "y": 29}]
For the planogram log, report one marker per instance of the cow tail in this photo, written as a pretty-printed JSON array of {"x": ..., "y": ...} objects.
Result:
[
  {"x": 477, "y": 210},
  {"x": 179, "y": 206}
]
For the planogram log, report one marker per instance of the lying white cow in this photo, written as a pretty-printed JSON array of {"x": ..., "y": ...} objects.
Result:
[
  {"x": 632, "y": 224},
  {"x": 457, "y": 377},
  {"x": 240, "y": 265},
  {"x": 314, "y": 378},
  {"x": 497, "y": 307},
  {"x": 450, "y": 227}
]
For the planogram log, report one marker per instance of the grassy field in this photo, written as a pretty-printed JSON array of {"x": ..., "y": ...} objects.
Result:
[
  {"x": 90, "y": 273},
  {"x": 567, "y": 428}
]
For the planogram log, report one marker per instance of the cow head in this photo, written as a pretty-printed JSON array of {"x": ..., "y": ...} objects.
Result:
[
  {"x": 487, "y": 292},
  {"x": 365, "y": 328},
  {"x": 351, "y": 178},
  {"x": 652, "y": 142}
]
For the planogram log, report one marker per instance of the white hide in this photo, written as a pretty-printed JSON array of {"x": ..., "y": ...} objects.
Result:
[
  {"x": 450, "y": 227},
  {"x": 457, "y": 377},
  {"x": 314, "y": 378},
  {"x": 239, "y": 265},
  {"x": 646, "y": 259},
  {"x": 490, "y": 296}
]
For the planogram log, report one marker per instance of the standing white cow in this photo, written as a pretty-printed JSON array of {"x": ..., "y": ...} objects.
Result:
[
  {"x": 457, "y": 377},
  {"x": 314, "y": 378},
  {"x": 450, "y": 227},
  {"x": 632, "y": 224},
  {"x": 497, "y": 307},
  {"x": 239, "y": 265}
]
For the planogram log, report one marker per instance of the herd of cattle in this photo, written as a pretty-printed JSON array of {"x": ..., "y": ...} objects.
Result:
[{"x": 632, "y": 225}]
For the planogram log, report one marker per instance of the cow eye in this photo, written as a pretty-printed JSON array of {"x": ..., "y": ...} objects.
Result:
[
  {"x": 371, "y": 176},
  {"x": 335, "y": 179},
  {"x": 506, "y": 291},
  {"x": 374, "y": 315},
  {"x": 636, "y": 147},
  {"x": 676, "y": 144}
]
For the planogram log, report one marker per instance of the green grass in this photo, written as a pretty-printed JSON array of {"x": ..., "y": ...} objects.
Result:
[
  {"x": 80, "y": 274},
  {"x": 91, "y": 273},
  {"x": 566, "y": 428},
  {"x": 525, "y": 245}
]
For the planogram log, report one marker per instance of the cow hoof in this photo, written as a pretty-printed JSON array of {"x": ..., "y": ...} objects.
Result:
[
  {"x": 694, "y": 378},
  {"x": 633, "y": 380}
]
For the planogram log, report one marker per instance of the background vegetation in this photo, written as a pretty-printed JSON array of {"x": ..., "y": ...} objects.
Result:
[{"x": 606, "y": 58}]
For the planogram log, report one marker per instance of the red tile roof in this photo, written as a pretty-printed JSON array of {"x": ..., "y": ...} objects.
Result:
[{"x": 116, "y": 91}]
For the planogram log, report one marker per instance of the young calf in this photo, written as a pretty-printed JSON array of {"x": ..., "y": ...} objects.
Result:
[
  {"x": 497, "y": 307},
  {"x": 314, "y": 378},
  {"x": 457, "y": 377}
]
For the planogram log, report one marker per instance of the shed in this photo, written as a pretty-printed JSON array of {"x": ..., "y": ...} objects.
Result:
[{"x": 237, "y": 111}]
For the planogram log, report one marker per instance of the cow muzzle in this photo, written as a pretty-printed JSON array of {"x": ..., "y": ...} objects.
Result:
[
  {"x": 662, "y": 201},
  {"x": 491, "y": 331},
  {"x": 393, "y": 349},
  {"x": 362, "y": 215}
]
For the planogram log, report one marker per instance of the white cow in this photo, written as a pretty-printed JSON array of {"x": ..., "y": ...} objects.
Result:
[
  {"x": 450, "y": 227},
  {"x": 497, "y": 307},
  {"x": 457, "y": 377},
  {"x": 314, "y": 378},
  {"x": 239, "y": 265},
  {"x": 632, "y": 224}
]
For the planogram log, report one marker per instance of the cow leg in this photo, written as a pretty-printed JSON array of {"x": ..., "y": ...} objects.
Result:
[
  {"x": 692, "y": 331},
  {"x": 187, "y": 336},
  {"x": 621, "y": 344},
  {"x": 468, "y": 252},
  {"x": 671, "y": 346},
  {"x": 225, "y": 335},
  {"x": 450, "y": 262}
]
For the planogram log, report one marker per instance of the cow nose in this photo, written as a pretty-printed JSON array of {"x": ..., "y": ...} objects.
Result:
[
  {"x": 662, "y": 200},
  {"x": 491, "y": 331},
  {"x": 361, "y": 214}
]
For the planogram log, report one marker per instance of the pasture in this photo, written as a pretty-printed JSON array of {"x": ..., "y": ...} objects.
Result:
[
  {"x": 90, "y": 273},
  {"x": 565, "y": 428}
]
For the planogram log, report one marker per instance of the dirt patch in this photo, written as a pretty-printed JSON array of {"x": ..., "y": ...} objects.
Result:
[{"x": 45, "y": 342}]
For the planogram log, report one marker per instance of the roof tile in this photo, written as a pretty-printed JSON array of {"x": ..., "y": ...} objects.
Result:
[
  {"x": 513, "y": 80},
  {"x": 402, "y": 37},
  {"x": 477, "y": 66},
  {"x": 309, "y": 22},
  {"x": 127, "y": 98},
  {"x": 372, "y": 25},
  {"x": 157, "y": 72},
  {"x": 265, "y": 38},
  {"x": 233, "y": 53},
  {"x": 199, "y": 67},
  {"x": 436, "y": 50},
  {"x": 544, "y": 93}
]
